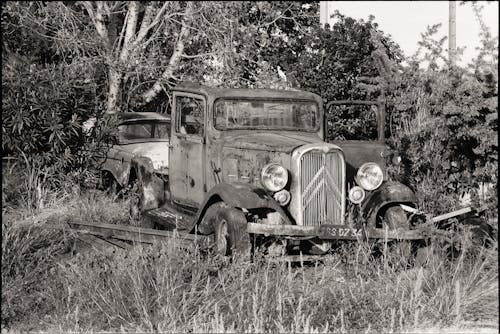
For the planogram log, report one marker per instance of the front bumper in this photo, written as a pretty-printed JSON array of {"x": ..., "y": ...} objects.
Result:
[{"x": 334, "y": 232}]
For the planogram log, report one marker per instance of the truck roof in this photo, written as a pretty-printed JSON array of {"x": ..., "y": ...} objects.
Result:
[
  {"x": 138, "y": 116},
  {"x": 246, "y": 92}
]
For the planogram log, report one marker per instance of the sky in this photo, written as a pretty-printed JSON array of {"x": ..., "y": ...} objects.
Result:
[{"x": 406, "y": 20}]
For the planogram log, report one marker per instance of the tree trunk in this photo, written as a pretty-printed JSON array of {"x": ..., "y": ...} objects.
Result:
[{"x": 115, "y": 80}]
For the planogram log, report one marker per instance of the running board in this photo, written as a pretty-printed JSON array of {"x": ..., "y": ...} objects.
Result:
[{"x": 169, "y": 218}]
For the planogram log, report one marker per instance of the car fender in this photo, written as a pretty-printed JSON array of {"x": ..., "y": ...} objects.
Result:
[
  {"x": 118, "y": 164},
  {"x": 152, "y": 186},
  {"x": 241, "y": 196},
  {"x": 121, "y": 175},
  {"x": 387, "y": 193}
]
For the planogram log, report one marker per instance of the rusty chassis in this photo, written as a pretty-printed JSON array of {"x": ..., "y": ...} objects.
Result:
[
  {"x": 332, "y": 232},
  {"x": 343, "y": 232}
]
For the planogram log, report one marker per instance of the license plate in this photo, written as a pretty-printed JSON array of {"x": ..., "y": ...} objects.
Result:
[{"x": 339, "y": 232}]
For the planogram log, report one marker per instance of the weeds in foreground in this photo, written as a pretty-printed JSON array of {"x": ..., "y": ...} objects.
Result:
[{"x": 171, "y": 288}]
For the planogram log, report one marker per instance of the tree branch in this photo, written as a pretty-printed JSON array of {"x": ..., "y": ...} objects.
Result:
[
  {"x": 131, "y": 23},
  {"x": 97, "y": 18},
  {"x": 174, "y": 59},
  {"x": 147, "y": 25},
  {"x": 198, "y": 55}
]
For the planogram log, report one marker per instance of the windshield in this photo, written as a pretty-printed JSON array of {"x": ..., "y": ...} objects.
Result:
[
  {"x": 264, "y": 114},
  {"x": 144, "y": 130}
]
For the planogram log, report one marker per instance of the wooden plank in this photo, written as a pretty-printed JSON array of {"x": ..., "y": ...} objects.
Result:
[
  {"x": 95, "y": 242},
  {"x": 137, "y": 234},
  {"x": 451, "y": 214},
  {"x": 119, "y": 243},
  {"x": 298, "y": 258}
]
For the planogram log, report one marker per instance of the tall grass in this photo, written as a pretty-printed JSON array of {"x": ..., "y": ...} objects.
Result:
[
  {"x": 168, "y": 288},
  {"x": 172, "y": 288}
]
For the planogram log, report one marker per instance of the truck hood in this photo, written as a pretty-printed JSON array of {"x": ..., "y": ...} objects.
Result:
[
  {"x": 156, "y": 151},
  {"x": 358, "y": 152},
  {"x": 266, "y": 141}
]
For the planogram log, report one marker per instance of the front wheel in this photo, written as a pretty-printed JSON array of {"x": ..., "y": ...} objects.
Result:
[
  {"x": 231, "y": 237},
  {"x": 395, "y": 217}
]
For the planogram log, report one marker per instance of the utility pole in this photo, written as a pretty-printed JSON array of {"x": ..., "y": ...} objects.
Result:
[
  {"x": 323, "y": 13},
  {"x": 452, "y": 33}
]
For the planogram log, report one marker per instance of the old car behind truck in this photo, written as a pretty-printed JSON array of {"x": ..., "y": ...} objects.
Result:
[
  {"x": 251, "y": 168},
  {"x": 141, "y": 150}
]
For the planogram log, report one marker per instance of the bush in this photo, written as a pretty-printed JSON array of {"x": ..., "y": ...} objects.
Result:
[
  {"x": 44, "y": 112},
  {"x": 444, "y": 125}
]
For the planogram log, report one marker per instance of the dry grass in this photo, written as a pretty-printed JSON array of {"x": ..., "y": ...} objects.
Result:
[{"x": 168, "y": 288}]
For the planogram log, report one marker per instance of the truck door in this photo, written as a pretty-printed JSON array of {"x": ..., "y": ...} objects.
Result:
[{"x": 186, "y": 162}]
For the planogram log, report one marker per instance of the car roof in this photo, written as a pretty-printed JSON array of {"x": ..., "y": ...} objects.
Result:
[
  {"x": 143, "y": 116},
  {"x": 246, "y": 92}
]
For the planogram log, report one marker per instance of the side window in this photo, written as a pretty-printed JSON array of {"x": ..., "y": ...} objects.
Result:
[
  {"x": 191, "y": 112},
  {"x": 162, "y": 130}
]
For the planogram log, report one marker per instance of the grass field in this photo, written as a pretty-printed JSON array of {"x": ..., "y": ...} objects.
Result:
[{"x": 170, "y": 288}]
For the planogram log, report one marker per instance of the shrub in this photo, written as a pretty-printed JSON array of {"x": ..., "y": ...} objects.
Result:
[
  {"x": 444, "y": 125},
  {"x": 44, "y": 110}
]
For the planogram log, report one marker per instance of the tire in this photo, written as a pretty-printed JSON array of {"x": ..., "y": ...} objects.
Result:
[
  {"x": 207, "y": 224},
  {"x": 230, "y": 236},
  {"x": 395, "y": 217}
]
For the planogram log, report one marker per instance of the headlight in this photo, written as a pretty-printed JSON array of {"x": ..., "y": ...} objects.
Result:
[
  {"x": 356, "y": 195},
  {"x": 282, "y": 197},
  {"x": 370, "y": 176},
  {"x": 274, "y": 177}
]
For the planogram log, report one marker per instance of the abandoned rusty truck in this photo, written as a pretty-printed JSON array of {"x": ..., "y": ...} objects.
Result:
[{"x": 252, "y": 166}]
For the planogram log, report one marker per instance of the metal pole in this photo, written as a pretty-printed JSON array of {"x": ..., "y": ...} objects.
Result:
[
  {"x": 452, "y": 35},
  {"x": 323, "y": 13}
]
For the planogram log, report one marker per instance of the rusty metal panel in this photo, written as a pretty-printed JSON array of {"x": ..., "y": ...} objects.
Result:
[
  {"x": 118, "y": 162},
  {"x": 187, "y": 160}
]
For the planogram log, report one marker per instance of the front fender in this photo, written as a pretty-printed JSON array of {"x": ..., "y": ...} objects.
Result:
[
  {"x": 239, "y": 195},
  {"x": 389, "y": 192}
]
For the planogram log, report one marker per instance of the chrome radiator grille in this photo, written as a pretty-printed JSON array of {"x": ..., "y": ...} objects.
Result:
[{"x": 322, "y": 187}]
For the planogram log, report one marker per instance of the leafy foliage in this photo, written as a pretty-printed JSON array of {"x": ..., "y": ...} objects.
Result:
[
  {"x": 44, "y": 109},
  {"x": 444, "y": 123}
]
